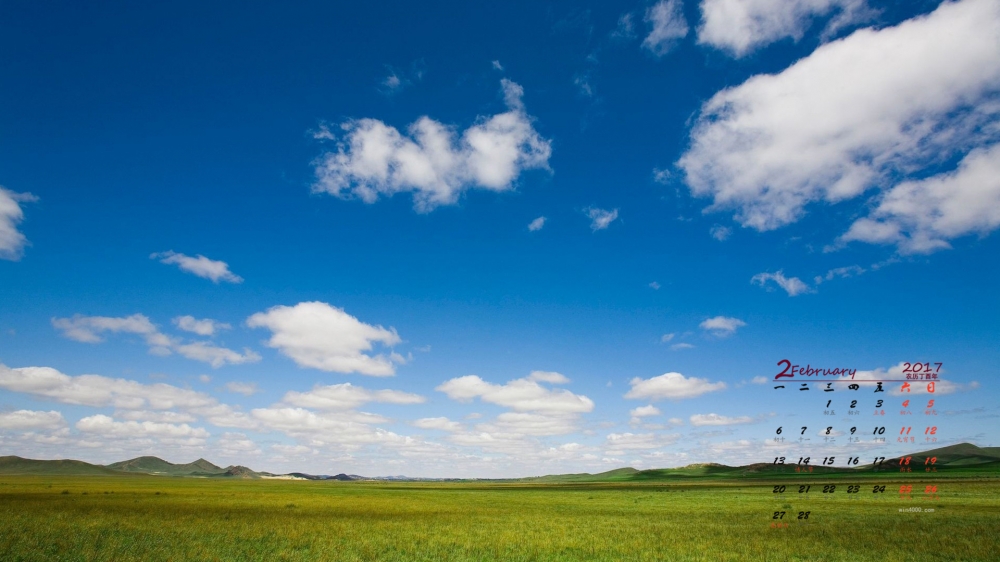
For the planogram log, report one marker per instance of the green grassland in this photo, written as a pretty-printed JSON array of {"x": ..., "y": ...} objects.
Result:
[{"x": 143, "y": 517}]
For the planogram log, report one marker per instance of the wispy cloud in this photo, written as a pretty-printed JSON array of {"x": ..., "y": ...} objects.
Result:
[
  {"x": 600, "y": 219},
  {"x": 199, "y": 265}
]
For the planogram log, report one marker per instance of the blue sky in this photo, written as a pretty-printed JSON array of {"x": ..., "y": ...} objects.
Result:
[{"x": 289, "y": 237}]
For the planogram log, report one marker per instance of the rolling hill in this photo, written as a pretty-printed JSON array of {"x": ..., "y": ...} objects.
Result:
[
  {"x": 18, "y": 465},
  {"x": 156, "y": 465},
  {"x": 963, "y": 459}
]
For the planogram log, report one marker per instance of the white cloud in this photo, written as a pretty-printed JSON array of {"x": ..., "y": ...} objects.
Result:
[
  {"x": 672, "y": 386},
  {"x": 244, "y": 388},
  {"x": 582, "y": 82},
  {"x": 199, "y": 265},
  {"x": 523, "y": 423},
  {"x": 443, "y": 424},
  {"x": 536, "y": 224},
  {"x": 680, "y": 346},
  {"x": 600, "y": 218},
  {"x": 236, "y": 445},
  {"x": 666, "y": 337},
  {"x": 921, "y": 216},
  {"x": 163, "y": 416},
  {"x": 12, "y": 241},
  {"x": 347, "y": 396},
  {"x": 666, "y": 19},
  {"x": 617, "y": 442},
  {"x": 791, "y": 285},
  {"x": 497, "y": 65},
  {"x": 214, "y": 355},
  {"x": 203, "y": 327},
  {"x": 88, "y": 329},
  {"x": 849, "y": 271},
  {"x": 375, "y": 159},
  {"x": 320, "y": 336},
  {"x": 699, "y": 420},
  {"x": 346, "y": 428},
  {"x": 625, "y": 28},
  {"x": 205, "y": 378},
  {"x": 644, "y": 411},
  {"x": 551, "y": 377},
  {"x": 760, "y": 380},
  {"x": 654, "y": 286},
  {"x": 31, "y": 419},
  {"x": 99, "y": 391},
  {"x": 855, "y": 114},
  {"x": 741, "y": 26},
  {"x": 722, "y": 326},
  {"x": 522, "y": 395},
  {"x": 107, "y": 427},
  {"x": 720, "y": 233},
  {"x": 392, "y": 82}
]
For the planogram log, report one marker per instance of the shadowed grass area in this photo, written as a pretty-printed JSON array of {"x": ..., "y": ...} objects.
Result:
[{"x": 163, "y": 518}]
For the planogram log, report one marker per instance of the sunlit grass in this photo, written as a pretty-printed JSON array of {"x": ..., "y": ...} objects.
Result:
[{"x": 162, "y": 518}]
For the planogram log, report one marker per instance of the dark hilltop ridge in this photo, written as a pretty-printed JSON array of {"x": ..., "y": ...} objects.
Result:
[{"x": 962, "y": 460}]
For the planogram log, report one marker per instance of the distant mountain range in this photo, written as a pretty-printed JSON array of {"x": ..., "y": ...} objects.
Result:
[{"x": 961, "y": 459}]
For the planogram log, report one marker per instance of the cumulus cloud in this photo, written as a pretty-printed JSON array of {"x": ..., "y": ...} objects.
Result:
[
  {"x": 536, "y": 224},
  {"x": 320, "y": 336},
  {"x": 720, "y": 233},
  {"x": 443, "y": 424},
  {"x": 340, "y": 428},
  {"x": 199, "y": 265},
  {"x": 921, "y": 216},
  {"x": 600, "y": 218},
  {"x": 12, "y": 241},
  {"x": 551, "y": 377},
  {"x": 791, "y": 285},
  {"x": 88, "y": 329},
  {"x": 722, "y": 326},
  {"x": 668, "y": 26},
  {"x": 522, "y": 395},
  {"x": 699, "y": 420},
  {"x": 374, "y": 159},
  {"x": 203, "y": 327},
  {"x": 347, "y": 396},
  {"x": 537, "y": 411},
  {"x": 642, "y": 412},
  {"x": 214, "y": 355},
  {"x": 99, "y": 391},
  {"x": 106, "y": 426},
  {"x": 31, "y": 420},
  {"x": 760, "y": 380},
  {"x": 855, "y": 114},
  {"x": 741, "y": 26},
  {"x": 680, "y": 346},
  {"x": 617, "y": 443},
  {"x": 671, "y": 386}
]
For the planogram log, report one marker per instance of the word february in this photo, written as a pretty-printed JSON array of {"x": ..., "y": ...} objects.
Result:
[{"x": 791, "y": 371}]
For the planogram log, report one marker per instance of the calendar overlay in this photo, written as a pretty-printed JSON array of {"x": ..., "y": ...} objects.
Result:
[{"x": 904, "y": 408}]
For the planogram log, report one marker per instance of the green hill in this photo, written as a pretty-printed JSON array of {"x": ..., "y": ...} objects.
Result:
[
  {"x": 156, "y": 465},
  {"x": 18, "y": 465},
  {"x": 962, "y": 459}
]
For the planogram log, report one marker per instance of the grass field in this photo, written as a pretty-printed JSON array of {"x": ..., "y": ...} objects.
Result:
[{"x": 164, "y": 518}]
